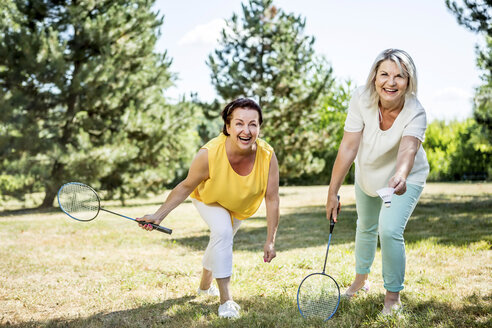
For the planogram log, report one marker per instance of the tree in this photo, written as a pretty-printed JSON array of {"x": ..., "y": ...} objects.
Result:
[
  {"x": 211, "y": 121},
  {"x": 476, "y": 15},
  {"x": 265, "y": 55},
  {"x": 468, "y": 162},
  {"x": 452, "y": 151},
  {"x": 439, "y": 144},
  {"x": 81, "y": 96},
  {"x": 482, "y": 111},
  {"x": 333, "y": 112}
]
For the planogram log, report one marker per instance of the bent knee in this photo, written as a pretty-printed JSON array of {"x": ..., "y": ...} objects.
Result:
[{"x": 222, "y": 235}]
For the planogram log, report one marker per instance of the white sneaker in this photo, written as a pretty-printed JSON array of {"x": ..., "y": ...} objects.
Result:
[
  {"x": 229, "y": 309},
  {"x": 212, "y": 291}
]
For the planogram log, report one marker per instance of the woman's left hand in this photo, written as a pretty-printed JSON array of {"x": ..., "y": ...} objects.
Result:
[
  {"x": 399, "y": 183},
  {"x": 269, "y": 252}
]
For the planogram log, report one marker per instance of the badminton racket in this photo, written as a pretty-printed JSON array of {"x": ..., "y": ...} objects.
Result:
[
  {"x": 318, "y": 295},
  {"x": 80, "y": 202}
]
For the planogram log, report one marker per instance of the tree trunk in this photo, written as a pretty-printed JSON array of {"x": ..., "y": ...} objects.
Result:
[
  {"x": 52, "y": 185},
  {"x": 49, "y": 197}
]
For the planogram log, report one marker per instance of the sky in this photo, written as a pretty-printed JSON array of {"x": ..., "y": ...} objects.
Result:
[{"x": 350, "y": 34}]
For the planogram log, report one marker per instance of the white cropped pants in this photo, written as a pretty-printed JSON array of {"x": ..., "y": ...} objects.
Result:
[{"x": 218, "y": 255}]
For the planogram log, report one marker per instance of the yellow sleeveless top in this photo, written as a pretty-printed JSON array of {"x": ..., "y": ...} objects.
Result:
[{"x": 240, "y": 195}]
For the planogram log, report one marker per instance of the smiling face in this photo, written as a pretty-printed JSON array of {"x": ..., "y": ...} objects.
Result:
[
  {"x": 391, "y": 84},
  {"x": 244, "y": 127}
]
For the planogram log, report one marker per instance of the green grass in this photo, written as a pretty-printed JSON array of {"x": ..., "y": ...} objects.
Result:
[{"x": 56, "y": 272}]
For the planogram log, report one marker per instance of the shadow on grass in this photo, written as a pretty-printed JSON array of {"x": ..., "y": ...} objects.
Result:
[
  {"x": 189, "y": 311},
  {"x": 26, "y": 211},
  {"x": 281, "y": 311},
  {"x": 444, "y": 220},
  {"x": 307, "y": 227},
  {"x": 448, "y": 220},
  {"x": 471, "y": 311}
]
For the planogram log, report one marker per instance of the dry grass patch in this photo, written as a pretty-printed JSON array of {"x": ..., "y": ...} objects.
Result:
[{"x": 108, "y": 273}]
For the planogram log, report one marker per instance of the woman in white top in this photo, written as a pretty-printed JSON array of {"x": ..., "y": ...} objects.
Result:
[{"x": 384, "y": 131}]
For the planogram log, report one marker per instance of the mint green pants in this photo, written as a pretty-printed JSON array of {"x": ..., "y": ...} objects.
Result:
[{"x": 374, "y": 218}]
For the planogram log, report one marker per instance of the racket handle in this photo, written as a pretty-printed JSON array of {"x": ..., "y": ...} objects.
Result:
[
  {"x": 157, "y": 227},
  {"x": 332, "y": 223},
  {"x": 162, "y": 229}
]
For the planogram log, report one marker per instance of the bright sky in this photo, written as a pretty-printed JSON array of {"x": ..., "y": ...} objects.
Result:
[{"x": 350, "y": 34}]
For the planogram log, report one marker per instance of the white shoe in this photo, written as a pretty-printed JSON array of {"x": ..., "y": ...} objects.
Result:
[
  {"x": 212, "y": 291},
  {"x": 229, "y": 309}
]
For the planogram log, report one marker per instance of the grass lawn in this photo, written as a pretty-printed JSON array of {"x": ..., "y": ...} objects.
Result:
[{"x": 56, "y": 272}]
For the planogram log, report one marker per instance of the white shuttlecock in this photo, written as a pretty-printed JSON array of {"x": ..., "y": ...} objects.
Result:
[{"x": 386, "y": 194}]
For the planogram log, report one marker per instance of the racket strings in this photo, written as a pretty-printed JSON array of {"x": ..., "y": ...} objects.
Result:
[
  {"x": 318, "y": 296},
  {"x": 79, "y": 201}
]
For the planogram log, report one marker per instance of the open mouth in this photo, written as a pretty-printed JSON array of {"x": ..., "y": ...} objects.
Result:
[
  {"x": 244, "y": 139},
  {"x": 390, "y": 90}
]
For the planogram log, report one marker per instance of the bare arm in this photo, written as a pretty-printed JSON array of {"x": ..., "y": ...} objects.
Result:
[
  {"x": 404, "y": 163},
  {"x": 272, "y": 201},
  {"x": 345, "y": 157},
  {"x": 197, "y": 173}
]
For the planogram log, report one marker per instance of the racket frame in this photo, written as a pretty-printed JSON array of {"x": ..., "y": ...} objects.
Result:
[
  {"x": 99, "y": 208},
  {"x": 332, "y": 226},
  {"x": 85, "y": 186},
  {"x": 322, "y": 274}
]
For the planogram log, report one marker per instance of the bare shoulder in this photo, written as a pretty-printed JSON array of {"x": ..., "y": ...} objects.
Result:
[
  {"x": 202, "y": 154},
  {"x": 199, "y": 168},
  {"x": 274, "y": 161},
  {"x": 273, "y": 173},
  {"x": 200, "y": 161}
]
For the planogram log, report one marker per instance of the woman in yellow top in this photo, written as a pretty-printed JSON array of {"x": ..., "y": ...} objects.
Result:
[{"x": 227, "y": 181}]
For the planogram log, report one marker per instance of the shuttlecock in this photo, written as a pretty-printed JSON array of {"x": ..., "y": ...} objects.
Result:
[{"x": 386, "y": 194}]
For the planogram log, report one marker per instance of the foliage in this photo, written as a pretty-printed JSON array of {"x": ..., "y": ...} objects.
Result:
[
  {"x": 211, "y": 122},
  {"x": 454, "y": 151},
  {"x": 265, "y": 55},
  {"x": 476, "y": 15},
  {"x": 483, "y": 94},
  {"x": 333, "y": 113},
  {"x": 438, "y": 146},
  {"x": 470, "y": 160},
  {"x": 81, "y": 94}
]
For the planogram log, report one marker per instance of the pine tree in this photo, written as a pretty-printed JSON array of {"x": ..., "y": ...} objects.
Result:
[
  {"x": 81, "y": 98},
  {"x": 476, "y": 15},
  {"x": 265, "y": 55}
]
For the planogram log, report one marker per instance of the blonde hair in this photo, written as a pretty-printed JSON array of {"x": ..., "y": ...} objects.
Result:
[{"x": 404, "y": 62}]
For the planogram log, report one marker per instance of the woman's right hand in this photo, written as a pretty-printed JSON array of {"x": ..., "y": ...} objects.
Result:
[
  {"x": 151, "y": 218},
  {"x": 332, "y": 208},
  {"x": 197, "y": 173},
  {"x": 345, "y": 157}
]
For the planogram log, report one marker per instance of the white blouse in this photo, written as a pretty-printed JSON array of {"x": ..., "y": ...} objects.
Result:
[{"x": 375, "y": 163}]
